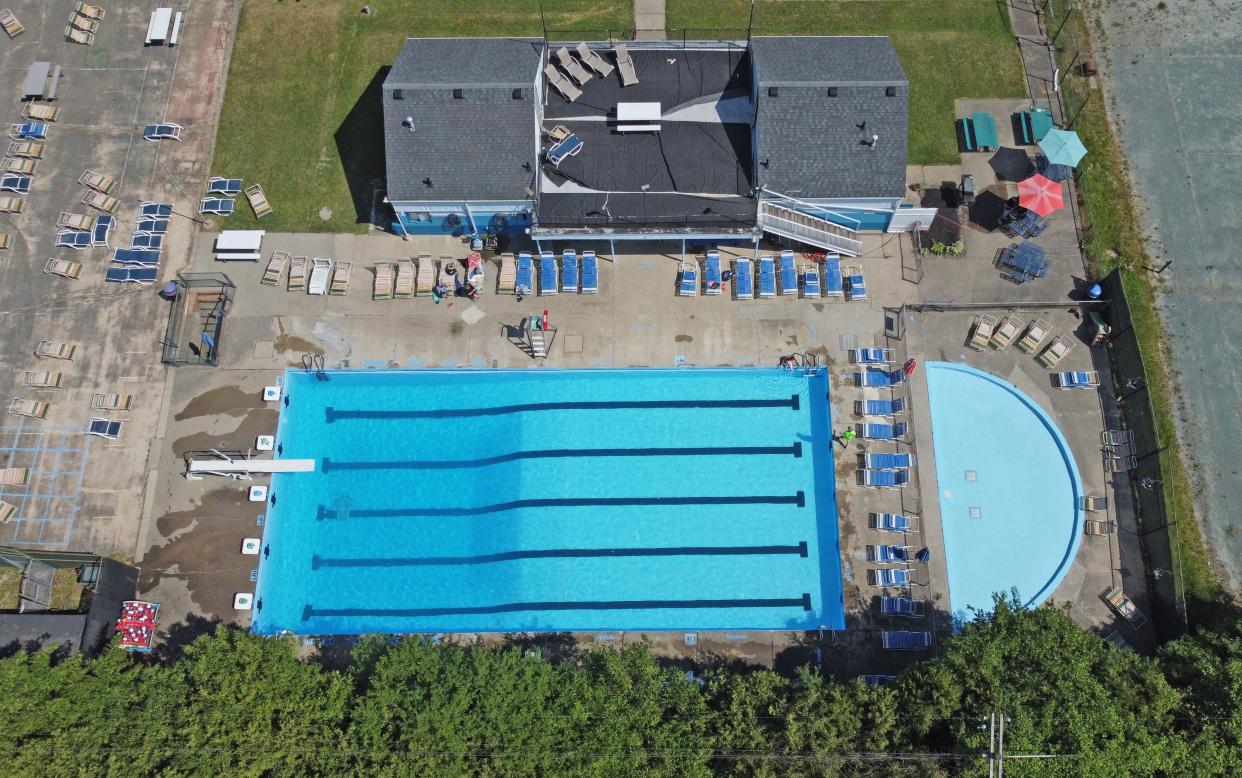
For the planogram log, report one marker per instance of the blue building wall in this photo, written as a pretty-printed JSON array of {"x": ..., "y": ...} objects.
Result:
[{"x": 445, "y": 218}]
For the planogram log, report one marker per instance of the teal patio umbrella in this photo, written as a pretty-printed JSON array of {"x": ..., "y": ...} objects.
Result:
[{"x": 1063, "y": 147}]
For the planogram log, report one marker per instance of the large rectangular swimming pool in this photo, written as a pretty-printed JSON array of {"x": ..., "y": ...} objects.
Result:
[{"x": 552, "y": 500}]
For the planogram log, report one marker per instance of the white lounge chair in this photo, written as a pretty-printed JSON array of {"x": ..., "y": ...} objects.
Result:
[
  {"x": 340, "y": 278},
  {"x": 560, "y": 83},
  {"x": 275, "y": 268},
  {"x": 382, "y": 290},
  {"x": 575, "y": 71},
  {"x": 625, "y": 65},
  {"x": 404, "y": 286},
  {"x": 593, "y": 60},
  {"x": 321, "y": 271}
]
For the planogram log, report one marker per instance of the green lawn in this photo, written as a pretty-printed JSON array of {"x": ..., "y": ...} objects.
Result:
[
  {"x": 301, "y": 113},
  {"x": 949, "y": 48}
]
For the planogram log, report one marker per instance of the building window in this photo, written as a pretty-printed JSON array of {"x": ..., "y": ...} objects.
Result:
[{"x": 417, "y": 216}]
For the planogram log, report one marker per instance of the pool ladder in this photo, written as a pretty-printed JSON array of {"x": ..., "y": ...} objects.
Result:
[
  {"x": 313, "y": 363},
  {"x": 807, "y": 361}
]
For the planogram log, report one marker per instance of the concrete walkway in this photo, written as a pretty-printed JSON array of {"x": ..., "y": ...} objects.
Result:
[{"x": 649, "y": 20}]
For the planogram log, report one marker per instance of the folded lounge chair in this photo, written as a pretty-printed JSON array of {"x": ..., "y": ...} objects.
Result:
[
  {"x": 881, "y": 431},
  {"x": 767, "y": 277},
  {"x": 1116, "y": 437},
  {"x": 10, "y": 205},
  {"x": 569, "y": 270},
  {"x": 711, "y": 273},
  {"x": 834, "y": 283},
  {"x": 14, "y": 476},
  {"x": 100, "y": 201},
  {"x": 888, "y": 576},
  {"x": 320, "y": 273},
  {"x": 744, "y": 278},
  {"x": 297, "y": 274},
  {"x": 571, "y": 66},
  {"x": 1055, "y": 352},
  {"x": 506, "y": 279},
  {"x": 63, "y": 267},
  {"x": 560, "y": 83},
  {"x": 1076, "y": 379},
  {"x": 880, "y": 407},
  {"x": 789, "y": 275},
  {"x": 403, "y": 288},
  {"x": 340, "y": 278},
  {"x": 258, "y": 201},
  {"x": 1035, "y": 333},
  {"x": 1005, "y": 332},
  {"x": 888, "y": 554},
  {"x": 688, "y": 280},
  {"x": 6, "y": 240},
  {"x": 873, "y": 377},
  {"x": 34, "y": 409},
  {"x": 810, "y": 282},
  {"x": 625, "y": 65},
  {"x": 593, "y": 60},
  {"x": 887, "y": 461},
  {"x": 27, "y": 148},
  {"x": 548, "y": 284},
  {"x": 894, "y": 522},
  {"x": 382, "y": 289},
  {"x": 275, "y": 268},
  {"x": 74, "y": 35},
  {"x": 10, "y": 24},
  {"x": 42, "y": 379},
  {"x": 89, "y": 11},
  {"x": 7, "y": 509},
  {"x": 97, "y": 181},
  {"x": 884, "y": 479},
  {"x": 871, "y": 356},
  {"x": 111, "y": 402},
  {"x": 425, "y": 281},
  {"x": 590, "y": 272},
  {"x": 876, "y": 679},
  {"x": 104, "y": 428},
  {"x": 901, "y": 640},
  {"x": 84, "y": 22},
  {"x": 981, "y": 331}
]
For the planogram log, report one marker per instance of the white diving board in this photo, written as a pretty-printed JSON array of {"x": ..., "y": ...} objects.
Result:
[{"x": 245, "y": 467}]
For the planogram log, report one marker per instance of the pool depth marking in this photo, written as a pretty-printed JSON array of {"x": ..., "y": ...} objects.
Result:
[
  {"x": 804, "y": 602},
  {"x": 794, "y": 450},
  {"x": 798, "y": 499},
  {"x": 559, "y": 553},
  {"x": 332, "y": 414}
]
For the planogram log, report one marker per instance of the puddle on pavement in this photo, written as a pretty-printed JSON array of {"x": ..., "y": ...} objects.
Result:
[
  {"x": 286, "y": 342},
  {"x": 256, "y": 422},
  {"x": 226, "y": 399}
]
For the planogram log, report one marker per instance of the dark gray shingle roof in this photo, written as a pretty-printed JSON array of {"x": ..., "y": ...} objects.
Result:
[
  {"x": 471, "y": 148},
  {"x": 806, "y": 59}
]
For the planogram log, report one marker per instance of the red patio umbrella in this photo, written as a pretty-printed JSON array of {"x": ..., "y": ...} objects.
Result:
[{"x": 1040, "y": 194}]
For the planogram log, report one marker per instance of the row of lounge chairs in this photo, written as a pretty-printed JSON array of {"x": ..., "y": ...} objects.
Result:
[
  {"x": 37, "y": 409},
  {"x": 986, "y": 332},
  {"x": 816, "y": 283},
  {"x": 901, "y": 606},
  {"x": 84, "y": 23},
  {"x": 579, "y": 75},
  {"x": 139, "y": 263},
  {"x": 573, "y": 274},
  {"x": 18, "y": 167}
]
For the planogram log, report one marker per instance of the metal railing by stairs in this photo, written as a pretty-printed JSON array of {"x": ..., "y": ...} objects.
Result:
[{"x": 812, "y": 230}]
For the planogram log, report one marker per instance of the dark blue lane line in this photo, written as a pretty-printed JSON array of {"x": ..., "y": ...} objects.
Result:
[
  {"x": 310, "y": 611},
  {"x": 564, "y": 453},
  {"x": 558, "y": 553},
  {"x": 798, "y": 499},
  {"x": 333, "y": 414}
]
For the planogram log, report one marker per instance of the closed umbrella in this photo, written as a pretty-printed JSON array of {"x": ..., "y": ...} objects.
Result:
[
  {"x": 1040, "y": 194},
  {"x": 1063, "y": 147}
]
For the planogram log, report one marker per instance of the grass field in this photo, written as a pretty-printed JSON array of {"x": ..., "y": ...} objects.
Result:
[
  {"x": 301, "y": 113},
  {"x": 949, "y": 48}
]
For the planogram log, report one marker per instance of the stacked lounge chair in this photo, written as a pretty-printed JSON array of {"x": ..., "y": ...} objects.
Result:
[
  {"x": 810, "y": 282},
  {"x": 767, "y": 277},
  {"x": 258, "y": 201},
  {"x": 525, "y": 281},
  {"x": 14, "y": 476},
  {"x": 711, "y": 273},
  {"x": 111, "y": 402},
  {"x": 506, "y": 279},
  {"x": 871, "y": 356},
  {"x": 548, "y": 283},
  {"x": 873, "y": 377},
  {"x": 894, "y": 522},
  {"x": 590, "y": 272},
  {"x": 789, "y": 275},
  {"x": 55, "y": 349},
  {"x": 297, "y": 274},
  {"x": 907, "y": 607},
  {"x": 688, "y": 280},
  {"x": 34, "y": 409},
  {"x": 275, "y": 269},
  {"x": 425, "y": 277},
  {"x": 403, "y": 288},
  {"x": 902, "y": 640},
  {"x": 569, "y": 270},
  {"x": 881, "y": 431},
  {"x": 64, "y": 268},
  {"x": 981, "y": 331},
  {"x": 1005, "y": 332},
  {"x": 382, "y": 289},
  {"x": 888, "y": 461},
  {"x": 880, "y": 407},
  {"x": 1035, "y": 333},
  {"x": 834, "y": 284},
  {"x": 884, "y": 479},
  {"x": 888, "y": 576},
  {"x": 42, "y": 379},
  {"x": 744, "y": 279}
]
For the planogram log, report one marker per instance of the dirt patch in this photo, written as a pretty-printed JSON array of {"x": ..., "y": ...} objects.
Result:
[
  {"x": 683, "y": 339},
  {"x": 825, "y": 358},
  {"x": 228, "y": 400}
]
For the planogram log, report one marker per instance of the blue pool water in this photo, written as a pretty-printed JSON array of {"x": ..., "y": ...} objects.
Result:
[
  {"x": 1025, "y": 488},
  {"x": 552, "y": 500}
]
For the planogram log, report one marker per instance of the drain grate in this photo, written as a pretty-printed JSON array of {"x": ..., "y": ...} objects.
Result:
[
  {"x": 976, "y": 512},
  {"x": 971, "y": 476}
]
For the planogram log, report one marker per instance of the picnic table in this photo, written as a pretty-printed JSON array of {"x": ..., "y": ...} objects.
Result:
[
  {"x": 1024, "y": 262},
  {"x": 1041, "y": 122},
  {"x": 36, "y": 79},
  {"x": 985, "y": 130},
  {"x": 1023, "y": 223}
]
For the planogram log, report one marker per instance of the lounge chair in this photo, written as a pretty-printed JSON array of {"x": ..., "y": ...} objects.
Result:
[
  {"x": 55, "y": 349},
  {"x": 1121, "y": 464},
  {"x": 275, "y": 268},
  {"x": 97, "y": 181},
  {"x": 15, "y": 183},
  {"x": 744, "y": 279},
  {"x": 1116, "y": 437},
  {"x": 73, "y": 239},
  {"x": 789, "y": 275},
  {"x": 7, "y": 509},
  {"x": 810, "y": 282},
  {"x": 425, "y": 280},
  {"x": 10, "y": 24},
  {"x": 1005, "y": 332},
  {"x": 10, "y": 205},
  {"x": 1055, "y": 351},
  {"x": 1035, "y": 333},
  {"x": 154, "y": 210},
  {"x": 548, "y": 283},
  {"x": 20, "y": 165},
  {"x": 1125, "y": 607},
  {"x": 593, "y": 60},
  {"x": 403, "y": 281},
  {"x": 64, "y": 268},
  {"x": 1094, "y": 504},
  {"x": 886, "y": 554},
  {"x": 89, "y": 11},
  {"x": 888, "y": 576},
  {"x": 834, "y": 282},
  {"x": 884, "y": 479},
  {"x": 1099, "y": 527},
  {"x": 711, "y": 273},
  {"x": 881, "y": 431},
  {"x": 558, "y": 133},
  {"x": 889, "y": 461},
  {"x": 981, "y": 331},
  {"x": 111, "y": 402},
  {"x": 383, "y": 286},
  {"x": 560, "y": 83},
  {"x": 625, "y": 65},
  {"x": 575, "y": 71},
  {"x": 524, "y": 282},
  {"x": 688, "y": 279},
  {"x": 871, "y": 356},
  {"x": 74, "y": 35},
  {"x": 136, "y": 257},
  {"x": 229, "y": 187},
  {"x": 855, "y": 284},
  {"x": 907, "y": 607},
  {"x": 27, "y": 148},
  {"x": 40, "y": 112},
  {"x": 320, "y": 273},
  {"x": 506, "y": 279},
  {"x": 447, "y": 280},
  {"x": 35, "y": 409},
  {"x": 215, "y": 206},
  {"x": 28, "y": 131},
  {"x": 902, "y": 640},
  {"x": 75, "y": 221},
  {"x": 42, "y": 379},
  {"x": 132, "y": 275},
  {"x": 569, "y": 270},
  {"x": 104, "y": 428},
  {"x": 590, "y": 272},
  {"x": 6, "y": 240},
  {"x": 14, "y": 476},
  {"x": 152, "y": 226},
  {"x": 297, "y": 274},
  {"x": 880, "y": 407},
  {"x": 873, "y": 377},
  {"x": 564, "y": 150},
  {"x": 85, "y": 23},
  {"x": 100, "y": 201},
  {"x": 895, "y": 522},
  {"x": 767, "y": 277},
  {"x": 1076, "y": 379},
  {"x": 258, "y": 201},
  {"x": 341, "y": 272}
]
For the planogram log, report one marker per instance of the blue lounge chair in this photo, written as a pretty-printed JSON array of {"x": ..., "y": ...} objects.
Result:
[
  {"x": 834, "y": 286},
  {"x": 132, "y": 275},
  {"x": 154, "y": 210},
  {"x": 901, "y": 606},
  {"x": 139, "y": 257},
  {"x": 18, "y": 184},
  {"x": 152, "y": 226},
  {"x": 1073, "y": 379},
  {"x": 886, "y": 461},
  {"x": 525, "y": 281},
  {"x": 28, "y": 131},
  {"x": 547, "y": 274},
  {"x": 810, "y": 282},
  {"x": 873, "y": 679},
  {"x": 789, "y": 274},
  {"x": 103, "y": 229},
  {"x": 871, "y": 356},
  {"x": 590, "y": 273},
  {"x": 888, "y": 554},
  {"x": 218, "y": 206},
  {"x": 856, "y": 285},
  {"x": 167, "y": 131},
  {"x": 569, "y": 270},
  {"x": 744, "y": 279},
  {"x": 146, "y": 241},
  {"x": 767, "y": 277},
  {"x": 884, "y": 479},
  {"x": 888, "y": 576},
  {"x": 711, "y": 273},
  {"x": 565, "y": 149},
  {"x": 73, "y": 239},
  {"x": 880, "y": 407},
  {"x": 894, "y": 522},
  {"x": 688, "y": 283},
  {"x": 901, "y": 640},
  {"x": 880, "y": 431},
  {"x": 104, "y": 428},
  {"x": 873, "y": 377},
  {"x": 230, "y": 187}
]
